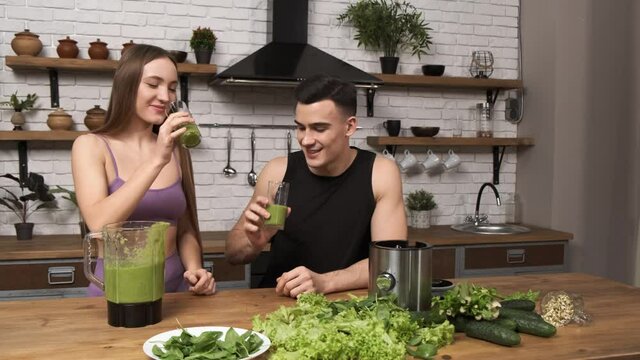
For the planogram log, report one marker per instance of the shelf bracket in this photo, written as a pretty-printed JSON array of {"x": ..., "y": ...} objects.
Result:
[
  {"x": 492, "y": 95},
  {"x": 184, "y": 88},
  {"x": 498, "y": 154},
  {"x": 371, "y": 93},
  {"x": 53, "y": 86},
  {"x": 22, "y": 161}
]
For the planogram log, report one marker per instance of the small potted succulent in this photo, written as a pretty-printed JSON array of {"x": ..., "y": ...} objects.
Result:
[
  {"x": 203, "y": 43},
  {"x": 23, "y": 205},
  {"x": 389, "y": 26},
  {"x": 420, "y": 203},
  {"x": 17, "y": 119}
]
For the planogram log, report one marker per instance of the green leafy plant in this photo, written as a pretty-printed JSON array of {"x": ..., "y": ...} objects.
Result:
[
  {"x": 69, "y": 195},
  {"x": 389, "y": 26},
  {"x": 24, "y": 205},
  {"x": 20, "y": 105},
  {"x": 421, "y": 200},
  {"x": 203, "y": 38}
]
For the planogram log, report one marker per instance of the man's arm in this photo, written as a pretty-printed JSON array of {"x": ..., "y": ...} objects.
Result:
[
  {"x": 248, "y": 237},
  {"x": 389, "y": 220}
]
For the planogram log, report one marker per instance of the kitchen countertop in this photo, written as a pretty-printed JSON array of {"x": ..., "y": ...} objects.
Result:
[
  {"x": 70, "y": 246},
  {"x": 76, "y": 328}
]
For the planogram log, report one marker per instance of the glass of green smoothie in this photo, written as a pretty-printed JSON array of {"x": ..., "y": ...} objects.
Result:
[
  {"x": 191, "y": 137},
  {"x": 278, "y": 193}
]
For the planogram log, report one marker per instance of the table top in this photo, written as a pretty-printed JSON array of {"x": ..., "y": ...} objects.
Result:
[{"x": 76, "y": 328}]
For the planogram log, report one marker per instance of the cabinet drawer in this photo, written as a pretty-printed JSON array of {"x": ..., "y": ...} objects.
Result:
[
  {"x": 513, "y": 256},
  {"x": 443, "y": 264},
  {"x": 222, "y": 270},
  {"x": 42, "y": 275}
]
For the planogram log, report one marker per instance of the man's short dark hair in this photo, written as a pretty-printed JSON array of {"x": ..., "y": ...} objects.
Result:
[{"x": 324, "y": 87}]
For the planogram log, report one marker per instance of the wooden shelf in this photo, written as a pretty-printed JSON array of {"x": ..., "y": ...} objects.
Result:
[
  {"x": 446, "y": 141},
  {"x": 46, "y": 63},
  {"x": 45, "y": 135},
  {"x": 448, "y": 82}
]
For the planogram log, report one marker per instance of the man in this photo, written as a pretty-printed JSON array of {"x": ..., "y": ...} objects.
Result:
[{"x": 340, "y": 199}]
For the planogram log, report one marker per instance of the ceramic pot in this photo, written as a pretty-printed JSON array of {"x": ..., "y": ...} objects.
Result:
[
  {"x": 68, "y": 48},
  {"x": 24, "y": 231},
  {"x": 17, "y": 119},
  {"x": 98, "y": 50},
  {"x": 59, "y": 120},
  {"x": 420, "y": 219},
  {"x": 26, "y": 43},
  {"x": 95, "y": 117},
  {"x": 126, "y": 46},
  {"x": 203, "y": 56}
]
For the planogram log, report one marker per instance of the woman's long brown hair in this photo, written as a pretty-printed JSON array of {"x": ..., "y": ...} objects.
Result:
[{"x": 121, "y": 110}]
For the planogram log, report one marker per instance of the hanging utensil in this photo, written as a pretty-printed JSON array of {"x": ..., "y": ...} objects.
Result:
[
  {"x": 252, "y": 177},
  {"x": 288, "y": 142},
  {"x": 228, "y": 170}
]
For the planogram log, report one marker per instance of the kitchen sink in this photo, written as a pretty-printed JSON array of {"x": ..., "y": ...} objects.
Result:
[{"x": 491, "y": 229}]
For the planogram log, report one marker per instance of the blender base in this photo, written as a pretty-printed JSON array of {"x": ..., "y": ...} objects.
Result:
[{"x": 134, "y": 315}]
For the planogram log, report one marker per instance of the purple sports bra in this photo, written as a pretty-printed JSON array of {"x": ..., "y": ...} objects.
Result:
[{"x": 165, "y": 204}]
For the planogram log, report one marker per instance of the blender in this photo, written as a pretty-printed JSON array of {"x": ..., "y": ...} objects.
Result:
[{"x": 133, "y": 284}]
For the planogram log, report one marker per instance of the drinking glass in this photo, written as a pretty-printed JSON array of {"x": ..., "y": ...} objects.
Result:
[
  {"x": 278, "y": 193},
  {"x": 191, "y": 137}
]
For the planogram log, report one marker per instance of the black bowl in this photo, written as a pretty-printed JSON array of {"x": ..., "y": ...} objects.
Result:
[
  {"x": 433, "y": 70},
  {"x": 424, "y": 131},
  {"x": 178, "y": 56}
]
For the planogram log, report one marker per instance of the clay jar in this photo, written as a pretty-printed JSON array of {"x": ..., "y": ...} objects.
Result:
[
  {"x": 95, "y": 117},
  {"x": 126, "y": 46},
  {"x": 59, "y": 120},
  {"x": 26, "y": 43},
  {"x": 67, "y": 48},
  {"x": 98, "y": 50}
]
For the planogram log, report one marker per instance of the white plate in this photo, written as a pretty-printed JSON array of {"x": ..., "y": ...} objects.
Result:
[{"x": 160, "y": 339}]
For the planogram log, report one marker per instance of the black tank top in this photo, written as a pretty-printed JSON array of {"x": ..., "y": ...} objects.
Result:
[{"x": 329, "y": 227}]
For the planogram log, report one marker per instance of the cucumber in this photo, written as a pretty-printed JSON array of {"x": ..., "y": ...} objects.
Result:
[
  {"x": 492, "y": 332},
  {"x": 534, "y": 327},
  {"x": 521, "y": 304},
  {"x": 459, "y": 322},
  {"x": 515, "y": 313},
  {"x": 506, "y": 323}
]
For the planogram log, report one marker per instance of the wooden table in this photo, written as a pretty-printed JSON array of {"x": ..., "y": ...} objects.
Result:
[{"x": 76, "y": 328}]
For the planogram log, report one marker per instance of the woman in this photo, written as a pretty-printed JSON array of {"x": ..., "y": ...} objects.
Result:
[{"x": 133, "y": 168}]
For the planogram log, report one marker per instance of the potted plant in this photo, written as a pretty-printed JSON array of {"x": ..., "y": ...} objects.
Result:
[
  {"x": 389, "y": 26},
  {"x": 17, "y": 119},
  {"x": 420, "y": 203},
  {"x": 70, "y": 196},
  {"x": 24, "y": 205},
  {"x": 203, "y": 42}
]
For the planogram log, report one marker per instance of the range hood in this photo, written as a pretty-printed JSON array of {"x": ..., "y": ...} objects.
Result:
[{"x": 288, "y": 59}]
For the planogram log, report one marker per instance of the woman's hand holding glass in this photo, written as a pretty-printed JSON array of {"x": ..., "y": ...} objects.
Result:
[{"x": 191, "y": 136}]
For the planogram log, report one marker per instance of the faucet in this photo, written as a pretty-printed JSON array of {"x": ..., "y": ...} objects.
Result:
[{"x": 476, "y": 215}]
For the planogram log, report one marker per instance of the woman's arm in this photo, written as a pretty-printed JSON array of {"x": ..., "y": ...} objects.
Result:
[
  {"x": 98, "y": 208},
  {"x": 202, "y": 281}
]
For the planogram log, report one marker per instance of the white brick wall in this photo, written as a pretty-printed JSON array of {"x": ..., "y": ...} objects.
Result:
[{"x": 459, "y": 28}]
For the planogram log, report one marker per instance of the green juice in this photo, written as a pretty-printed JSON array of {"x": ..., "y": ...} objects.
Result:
[
  {"x": 278, "y": 216},
  {"x": 137, "y": 283},
  {"x": 191, "y": 137}
]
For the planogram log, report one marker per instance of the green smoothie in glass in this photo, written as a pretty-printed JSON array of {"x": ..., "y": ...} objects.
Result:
[
  {"x": 191, "y": 137},
  {"x": 278, "y": 216}
]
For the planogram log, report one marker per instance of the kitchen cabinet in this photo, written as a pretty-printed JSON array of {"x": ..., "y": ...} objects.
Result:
[
  {"x": 42, "y": 279},
  {"x": 25, "y": 264}
]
